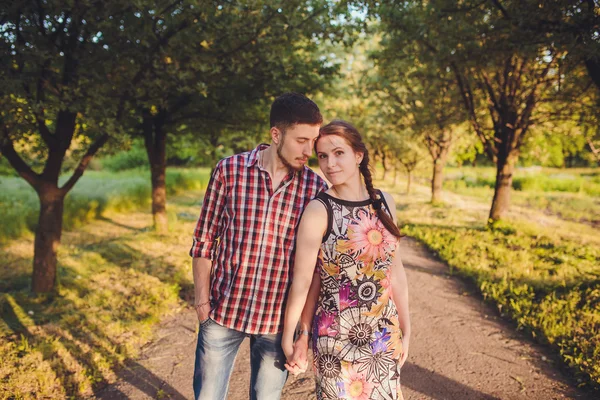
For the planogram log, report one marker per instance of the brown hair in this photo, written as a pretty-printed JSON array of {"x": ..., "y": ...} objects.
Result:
[
  {"x": 294, "y": 108},
  {"x": 350, "y": 133}
]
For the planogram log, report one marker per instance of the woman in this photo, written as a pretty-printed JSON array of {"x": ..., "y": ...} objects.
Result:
[{"x": 361, "y": 326}]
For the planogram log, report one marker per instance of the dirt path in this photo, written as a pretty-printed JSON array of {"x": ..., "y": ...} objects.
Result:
[{"x": 460, "y": 349}]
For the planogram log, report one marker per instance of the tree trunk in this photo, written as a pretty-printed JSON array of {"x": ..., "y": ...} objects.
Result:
[
  {"x": 438, "y": 171},
  {"x": 384, "y": 165},
  {"x": 395, "y": 176},
  {"x": 47, "y": 239},
  {"x": 408, "y": 181},
  {"x": 155, "y": 140},
  {"x": 502, "y": 191}
]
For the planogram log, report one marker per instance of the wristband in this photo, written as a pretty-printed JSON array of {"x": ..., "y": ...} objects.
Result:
[{"x": 201, "y": 304}]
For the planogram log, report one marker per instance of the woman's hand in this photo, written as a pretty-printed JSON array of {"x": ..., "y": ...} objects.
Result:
[{"x": 404, "y": 356}]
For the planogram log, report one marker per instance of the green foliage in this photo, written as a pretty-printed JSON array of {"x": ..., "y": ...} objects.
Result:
[
  {"x": 5, "y": 168},
  {"x": 135, "y": 157},
  {"x": 97, "y": 193},
  {"x": 557, "y": 183}
]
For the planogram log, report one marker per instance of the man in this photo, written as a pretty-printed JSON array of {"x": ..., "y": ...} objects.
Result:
[{"x": 245, "y": 235}]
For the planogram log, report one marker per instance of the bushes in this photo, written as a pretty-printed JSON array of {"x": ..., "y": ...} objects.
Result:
[{"x": 136, "y": 157}]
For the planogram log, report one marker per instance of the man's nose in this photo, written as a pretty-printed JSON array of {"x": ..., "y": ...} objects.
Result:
[{"x": 307, "y": 150}]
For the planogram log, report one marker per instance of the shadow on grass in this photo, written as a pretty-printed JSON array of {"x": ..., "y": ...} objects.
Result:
[
  {"x": 78, "y": 348},
  {"x": 67, "y": 347},
  {"x": 120, "y": 225}
]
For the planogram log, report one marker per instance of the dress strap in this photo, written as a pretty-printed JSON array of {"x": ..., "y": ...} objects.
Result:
[
  {"x": 389, "y": 211},
  {"x": 326, "y": 202}
]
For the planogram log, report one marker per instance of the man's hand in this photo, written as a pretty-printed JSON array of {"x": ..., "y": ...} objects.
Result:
[{"x": 203, "y": 311}]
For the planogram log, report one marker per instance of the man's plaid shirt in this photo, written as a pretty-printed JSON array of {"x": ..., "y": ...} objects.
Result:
[{"x": 249, "y": 233}]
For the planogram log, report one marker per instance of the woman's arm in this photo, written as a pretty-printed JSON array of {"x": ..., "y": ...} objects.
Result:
[
  {"x": 400, "y": 290},
  {"x": 308, "y": 241}
]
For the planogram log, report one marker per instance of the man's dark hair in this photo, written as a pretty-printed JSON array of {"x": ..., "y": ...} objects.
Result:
[{"x": 294, "y": 108}]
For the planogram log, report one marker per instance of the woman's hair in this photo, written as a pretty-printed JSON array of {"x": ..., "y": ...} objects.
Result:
[{"x": 350, "y": 133}]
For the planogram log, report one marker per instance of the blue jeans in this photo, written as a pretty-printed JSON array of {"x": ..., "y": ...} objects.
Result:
[{"x": 215, "y": 354}]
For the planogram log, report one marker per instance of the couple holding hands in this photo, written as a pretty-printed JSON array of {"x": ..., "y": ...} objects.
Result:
[{"x": 281, "y": 258}]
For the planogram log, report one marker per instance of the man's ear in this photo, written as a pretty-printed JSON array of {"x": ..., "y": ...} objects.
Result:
[{"x": 275, "y": 135}]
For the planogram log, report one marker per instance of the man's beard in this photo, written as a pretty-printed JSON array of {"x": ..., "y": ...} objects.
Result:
[{"x": 284, "y": 160}]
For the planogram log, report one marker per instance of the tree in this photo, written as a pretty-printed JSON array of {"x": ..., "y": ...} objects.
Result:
[
  {"x": 501, "y": 82},
  {"x": 423, "y": 96},
  {"x": 209, "y": 78},
  {"x": 53, "y": 90}
]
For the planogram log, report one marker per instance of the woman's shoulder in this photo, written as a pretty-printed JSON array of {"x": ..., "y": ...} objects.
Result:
[
  {"x": 315, "y": 208},
  {"x": 387, "y": 197}
]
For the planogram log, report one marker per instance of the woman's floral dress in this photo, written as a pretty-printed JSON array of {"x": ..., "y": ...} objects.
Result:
[{"x": 356, "y": 336}]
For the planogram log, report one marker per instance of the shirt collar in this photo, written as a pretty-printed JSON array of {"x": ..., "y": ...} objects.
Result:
[{"x": 253, "y": 156}]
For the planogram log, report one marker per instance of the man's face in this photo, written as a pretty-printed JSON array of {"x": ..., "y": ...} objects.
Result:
[{"x": 296, "y": 145}]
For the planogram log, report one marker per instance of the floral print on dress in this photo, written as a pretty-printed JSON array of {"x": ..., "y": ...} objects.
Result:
[{"x": 357, "y": 341}]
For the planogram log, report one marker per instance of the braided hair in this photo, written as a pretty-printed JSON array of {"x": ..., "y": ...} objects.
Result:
[{"x": 352, "y": 136}]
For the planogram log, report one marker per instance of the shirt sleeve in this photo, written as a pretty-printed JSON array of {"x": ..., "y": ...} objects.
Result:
[
  {"x": 206, "y": 231},
  {"x": 323, "y": 186}
]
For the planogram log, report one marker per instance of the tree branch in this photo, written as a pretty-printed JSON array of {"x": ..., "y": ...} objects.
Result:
[
  {"x": 7, "y": 148},
  {"x": 78, "y": 173}
]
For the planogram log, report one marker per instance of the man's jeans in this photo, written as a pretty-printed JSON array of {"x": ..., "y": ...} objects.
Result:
[{"x": 215, "y": 355}]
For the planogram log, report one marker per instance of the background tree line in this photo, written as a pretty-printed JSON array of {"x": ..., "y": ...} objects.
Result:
[{"x": 425, "y": 81}]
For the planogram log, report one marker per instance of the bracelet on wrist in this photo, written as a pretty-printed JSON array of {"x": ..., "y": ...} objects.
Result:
[
  {"x": 304, "y": 332},
  {"x": 201, "y": 304}
]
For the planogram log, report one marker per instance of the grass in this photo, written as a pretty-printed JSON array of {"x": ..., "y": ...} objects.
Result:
[
  {"x": 117, "y": 279},
  {"x": 573, "y": 195},
  {"x": 538, "y": 269},
  {"x": 97, "y": 192}
]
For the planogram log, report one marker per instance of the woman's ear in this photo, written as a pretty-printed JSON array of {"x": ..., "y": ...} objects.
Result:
[{"x": 359, "y": 157}]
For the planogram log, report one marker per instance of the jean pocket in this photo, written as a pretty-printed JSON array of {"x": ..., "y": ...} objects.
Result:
[{"x": 205, "y": 322}]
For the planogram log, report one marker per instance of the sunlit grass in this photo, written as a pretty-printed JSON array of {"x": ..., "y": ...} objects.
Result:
[{"x": 117, "y": 279}]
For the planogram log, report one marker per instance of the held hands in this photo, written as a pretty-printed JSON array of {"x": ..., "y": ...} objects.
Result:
[{"x": 296, "y": 355}]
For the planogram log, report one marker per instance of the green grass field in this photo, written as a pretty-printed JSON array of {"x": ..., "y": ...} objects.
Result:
[
  {"x": 573, "y": 195},
  {"x": 96, "y": 192}
]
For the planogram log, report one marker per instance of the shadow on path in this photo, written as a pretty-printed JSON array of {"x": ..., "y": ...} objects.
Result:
[
  {"x": 144, "y": 380},
  {"x": 437, "y": 386}
]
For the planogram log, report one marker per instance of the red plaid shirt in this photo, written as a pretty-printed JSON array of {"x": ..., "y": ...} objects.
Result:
[{"x": 249, "y": 233}]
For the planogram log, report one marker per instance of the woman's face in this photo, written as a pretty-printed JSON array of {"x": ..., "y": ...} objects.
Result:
[{"x": 337, "y": 159}]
